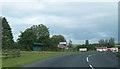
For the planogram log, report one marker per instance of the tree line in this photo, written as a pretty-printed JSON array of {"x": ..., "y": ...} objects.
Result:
[
  {"x": 101, "y": 43},
  {"x": 40, "y": 34},
  {"x": 107, "y": 43},
  {"x": 35, "y": 34}
]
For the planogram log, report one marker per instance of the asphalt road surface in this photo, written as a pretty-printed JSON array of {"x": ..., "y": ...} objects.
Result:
[{"x": 86, "y": 60}]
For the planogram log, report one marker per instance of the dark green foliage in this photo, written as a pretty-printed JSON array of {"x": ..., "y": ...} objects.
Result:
[
  {"x": 107, "y": 43},
  {"x": 7, "y": 37},
  {"x": 118, "y": 55},
  {"x": 42, "y": 35},
  {"x": 55, "y": 41},
  {"x": 87, "y": 45},
  {"x": 87, "y": 42},
  {"x": 70, "y": 44},
  {"x": 0, "y": 34},
  {"x": 102, "y": 43},
  {"x": 39, "y": 34},
  {"x": 111, "y": 42},
  {"x": 27, "y": 39},
  {"x": 35, "y": 34}
]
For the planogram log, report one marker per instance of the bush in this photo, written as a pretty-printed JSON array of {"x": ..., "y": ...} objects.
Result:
[{"x": 118, "y": 55}]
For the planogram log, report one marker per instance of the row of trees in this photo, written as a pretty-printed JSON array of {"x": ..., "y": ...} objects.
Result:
[
  {"x": 40, "y": 34},
  {"x": 107, "y": 43},
  {"x": 35, "y": 34},
  {"x": 102, "y": 43}
]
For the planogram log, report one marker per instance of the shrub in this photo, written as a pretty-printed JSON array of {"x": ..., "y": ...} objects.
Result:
[{"x": 118, "y": 55}]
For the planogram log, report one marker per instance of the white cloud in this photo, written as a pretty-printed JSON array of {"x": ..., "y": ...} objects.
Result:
[
  {"x": 16, "y": 36},
  {"x": 102, "y": 34},
  {"x": 80, "y": 0},
  {"x": 24, "y": 6},
  {"x": 96, "y": 16},
  {"x": 17, "y": 0},
  {"x": 71, "y": 37},
  {"x": 76, "y": 20},
  {"x": 24, "y": 21},
  {"x": 34, "y": 20},
  {"x": 60, "y": 0}
]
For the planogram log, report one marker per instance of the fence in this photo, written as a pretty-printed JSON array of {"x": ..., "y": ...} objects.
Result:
[{"x": 11, "y": 53}]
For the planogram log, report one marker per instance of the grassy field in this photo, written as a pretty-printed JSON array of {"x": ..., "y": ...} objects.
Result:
[
  {"x": 0, "y": 62},
  {"x": 30, "y": 57},
  {"x": 118, "y": 55}
]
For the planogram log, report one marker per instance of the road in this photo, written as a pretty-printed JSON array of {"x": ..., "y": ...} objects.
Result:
[{"x": 95, "y": 60}]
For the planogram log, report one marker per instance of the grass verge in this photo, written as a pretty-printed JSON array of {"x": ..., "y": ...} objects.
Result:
[
  {"x": 30, "y": 57},
  {"x": 118, "y": 55}
]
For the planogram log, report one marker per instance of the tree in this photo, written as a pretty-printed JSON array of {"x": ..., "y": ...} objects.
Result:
[
  {"x": 27, "y": 39},
  {"x": 35, "y": 34},
  {"x": 87, "y": 42},
  {"x": 101, "y": 43},
  {"x": 70, "y": 44},
  {"x": 55, "y": 41},
  {"x": 42, "y": 35},
  {"x": 7, "y": 37},
  {"x": 106, "y": 43},
  {"x": 0, "y": 34},
  {"x": 111, "y": 42},
  {"x": 41, "y": 32}
]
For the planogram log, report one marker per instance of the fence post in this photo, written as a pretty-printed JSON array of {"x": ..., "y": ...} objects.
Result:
[{"x": 11, "y": 53}]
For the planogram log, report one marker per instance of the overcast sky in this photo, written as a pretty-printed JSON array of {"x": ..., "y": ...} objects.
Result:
[{"x": 76, "y": 20}]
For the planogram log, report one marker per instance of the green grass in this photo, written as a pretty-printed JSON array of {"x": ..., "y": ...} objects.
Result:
[
  {"x": 30, "y": 57},
  {"x": 0, "y": 62},
  {"x": 117, "y": 45},
  {"x": 118, "y": 55}
]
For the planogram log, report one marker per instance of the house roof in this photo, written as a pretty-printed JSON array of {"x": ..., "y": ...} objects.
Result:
[{"x": 63, "y": 43}]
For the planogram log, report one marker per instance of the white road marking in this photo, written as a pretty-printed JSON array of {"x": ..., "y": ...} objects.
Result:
[
  {"x": 87, "y": 59},
  {"x": 91, "y": 66}
]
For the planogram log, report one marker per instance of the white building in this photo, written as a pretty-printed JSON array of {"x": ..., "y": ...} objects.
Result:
[
  {"x": 62, "y": 45},
  {"x": 113, "y": 49},
  {"x": 101, "y": 49},
  {"x": 83, "y": 49}
]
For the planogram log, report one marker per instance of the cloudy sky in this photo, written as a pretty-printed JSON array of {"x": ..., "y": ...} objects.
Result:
[{"x": 77, "y": 20}]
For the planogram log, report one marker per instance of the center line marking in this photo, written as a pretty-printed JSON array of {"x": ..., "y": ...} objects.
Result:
[
  {"x": 87, "y": 59},
  {"x": 91, "y": 66}
]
